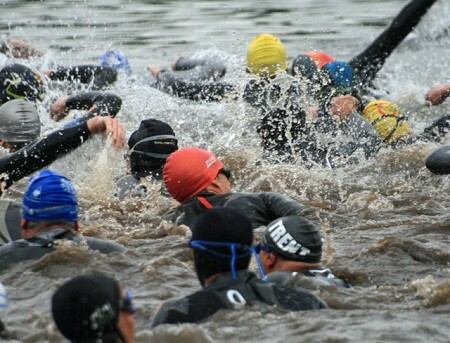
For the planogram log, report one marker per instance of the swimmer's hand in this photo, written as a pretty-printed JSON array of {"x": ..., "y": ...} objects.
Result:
[
  {"x": 58, "y": 109},
  {"x": 154, "y": 70},
  {"x": 111, "y": 127},
  {"x": 437, "y": 95},
  {"x": 22, "y": 49},
  {"x": 343, "y": 105}
]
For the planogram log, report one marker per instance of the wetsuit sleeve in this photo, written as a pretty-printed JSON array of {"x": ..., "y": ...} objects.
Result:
[
  {"x": 278, "y": 205},
  {"x": 173, "y": 84},
  {"x": 436, "y": 131},
  {"x": 100, "y": 77},
  {"x": 105, "y": 103},
  {"x": 207, "y": 68},
  {"x": 191, "y": 309},
  {"x": 367, "y": 64},
  {"x": 40, "y": 154},
  {"x": 297, "y": 299}
]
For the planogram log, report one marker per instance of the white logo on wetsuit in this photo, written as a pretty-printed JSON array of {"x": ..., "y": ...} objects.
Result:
[
  {"x": 236, "y": 298},
  {"x": 285, "y": 241}
]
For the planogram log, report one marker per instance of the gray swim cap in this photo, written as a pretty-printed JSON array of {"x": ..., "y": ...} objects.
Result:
[{"x": 19, "y": 121}]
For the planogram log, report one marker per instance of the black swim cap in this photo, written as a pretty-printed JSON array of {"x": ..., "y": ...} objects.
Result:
[
  {"x": 87, "y": 307},
  {"x": 149, "y": 146},
  {"x": 20, "y": 82},
  {"x": 294, "y": 238},
  {"x": 304, "y": 66},
  {"x": 221, "y": 225}
]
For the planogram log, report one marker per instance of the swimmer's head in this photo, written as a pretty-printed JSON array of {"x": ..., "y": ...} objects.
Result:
[
  {"x": 340, "y": 75},
  {"x": 266, "y": 55},
  {"x": 50, "y": 196},
  {"x": 20, "y": 82},
  {"x": 386, "y": 119},
  {"x": 221, "y": 238},
  {"x": 93, "y": 308},
  {"x": 115, "y": 59},
  {"x": 150, "y": 145},
  {"x": 189, "y": 171},
  {"x": 306, "y": 240},
  {"x": 19, "y": 123},
  {"x": 320, "y": 58}
]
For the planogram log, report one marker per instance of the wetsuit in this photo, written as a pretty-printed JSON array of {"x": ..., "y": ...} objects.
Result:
[
  {"x": 227, "y": 293},
  {"x": 41, "y": 153},
  {"x": 134, "y": 185},
  {"x": 10, "y": 216},
  {"x": 36, "y": 247},
  {"x": 367, "y": 64},
  {"x": 322, "y": 275},
  {"x": 106, "y": 104},
  {"x": 260, "y": 208},
  {"x": 98, "y": 76}
]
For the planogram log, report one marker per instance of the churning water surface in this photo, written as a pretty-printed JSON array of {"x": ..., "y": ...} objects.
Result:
[{"x": 385, "y": 221}]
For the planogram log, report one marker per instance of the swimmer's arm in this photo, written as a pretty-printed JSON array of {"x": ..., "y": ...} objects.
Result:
[
  {"x": 212, "y": 91},
  {"x": 100, "y": 77},
  {"x": 40, "y": 154},
  {"x": 96, "y": 102},
  {"x": 278, "y": 205},
  {"x": 18, "y": 48},
  {"x": 437, "y": 95}
]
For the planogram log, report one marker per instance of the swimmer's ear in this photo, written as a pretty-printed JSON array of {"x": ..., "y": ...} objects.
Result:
[{"x": 24, "y": 224}]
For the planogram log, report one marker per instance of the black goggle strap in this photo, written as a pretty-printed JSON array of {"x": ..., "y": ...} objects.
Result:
[
  {"x": 203, "y": 245},
  {"x": 153, "y": 138}
]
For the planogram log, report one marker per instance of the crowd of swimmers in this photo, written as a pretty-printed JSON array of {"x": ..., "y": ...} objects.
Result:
[{"x": 316, "y": 95}]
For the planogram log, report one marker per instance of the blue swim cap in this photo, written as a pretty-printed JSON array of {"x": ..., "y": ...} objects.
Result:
[
  {"x": 341, "y": 74},
  {"x": 50, "y": 196},
  {"x": 115, "y": 59}
]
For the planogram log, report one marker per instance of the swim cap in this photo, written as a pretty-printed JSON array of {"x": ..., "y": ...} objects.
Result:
[
  {"x": 50, "y": 196},
  {"x": 189, "y": 171},
  {"x": 384, "y": 117},
  {"x": 19, "y": 121},
  {"x": 20, "y": 82},
  {"x": 87, "y": 307},
  {"x": 340, "y": 74},
  {"x": 115, "y": 59},
  {"x": 266, "y": 55},
  {"x": 294, "y": 238},
  {"x": 304, "y": 66},
  {"x": 150, "y": 145},
  {"x": 221, "y": 225},
  {"x": 320, "y": 58}
]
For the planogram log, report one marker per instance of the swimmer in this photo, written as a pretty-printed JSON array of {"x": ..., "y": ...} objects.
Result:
[
  {"x": 198, "y": 180},
  {"x": 49, "y": 214},
  {"x": 148, "y": 148},
  {"x": 304, "y": 255},
  {"x": 221, "y": 241},
  {"x": 94, "y": 308}
]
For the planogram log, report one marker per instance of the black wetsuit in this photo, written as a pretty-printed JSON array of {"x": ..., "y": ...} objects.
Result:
[
  {"x": 36, "y": 247},
  {"x": 98, "y": 76},
  {"x": 260, "y": 208},
  {"x": 367, "y": 64},
  {"x": 106, "y": 104},
  {"x": 41, "y": 153},
  {"x": 227, "y": 293},
  {"x": 322, "y": 275}
]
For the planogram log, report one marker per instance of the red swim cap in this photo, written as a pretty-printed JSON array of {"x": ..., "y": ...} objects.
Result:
[
  {"x": 320, "y": 58},
  {"x": 190, "y": 170}
]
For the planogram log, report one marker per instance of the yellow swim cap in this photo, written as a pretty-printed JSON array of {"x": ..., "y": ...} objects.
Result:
[
  {"x": 384, "y": 116},
  {"x": 266, "y": 55}
]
